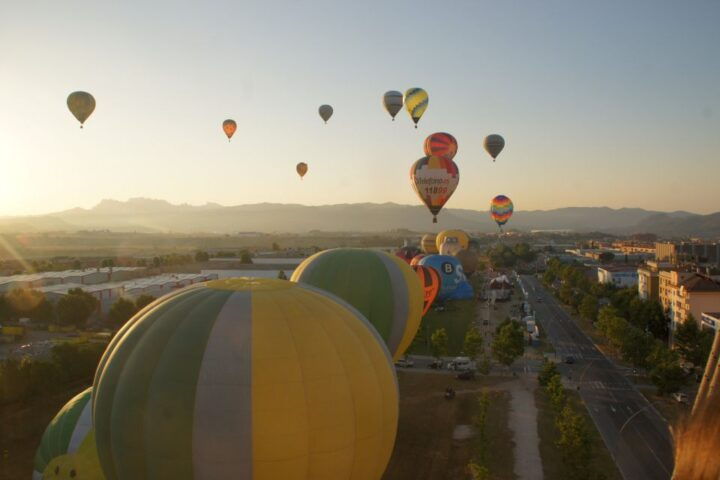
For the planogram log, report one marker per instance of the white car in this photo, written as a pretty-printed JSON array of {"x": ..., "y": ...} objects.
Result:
[
  {"x": 405, "y": 363},
  {"x": 680, "y": 397}
]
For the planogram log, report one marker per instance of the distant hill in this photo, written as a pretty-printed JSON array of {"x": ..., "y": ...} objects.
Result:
[{"x": 150, "y": 215}]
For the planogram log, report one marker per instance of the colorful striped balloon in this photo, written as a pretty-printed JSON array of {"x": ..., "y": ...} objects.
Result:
[
  {"x": 430, "y": 280},
  {"x": 246, "y": 378},
  {"x": 434, "y": 179},
  {"x": 441, "y": 144},
  {"x": 381, "y": 286},
  {"x": 501, "y": 209},
  {"x": 428, "y": 245},
  {"x": 416, "y": 102}
]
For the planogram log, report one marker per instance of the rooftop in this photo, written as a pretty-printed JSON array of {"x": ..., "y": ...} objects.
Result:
[{"x": 700, "y": 283}]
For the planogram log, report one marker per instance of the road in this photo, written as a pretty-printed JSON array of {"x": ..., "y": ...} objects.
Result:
[{"x": 635, "y": 434}]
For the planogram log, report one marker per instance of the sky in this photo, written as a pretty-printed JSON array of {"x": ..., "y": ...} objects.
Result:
[{"x": 609, "y": 103}]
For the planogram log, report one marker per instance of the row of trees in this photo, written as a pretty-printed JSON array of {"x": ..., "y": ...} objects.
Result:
[
  {"x": 573, "y": 438},
  {"x": 73, "y": 309},
  {"x": 123, "y": 309},
  {"x": 504, "y": 256},
  {"x": 28, "y": 377}
]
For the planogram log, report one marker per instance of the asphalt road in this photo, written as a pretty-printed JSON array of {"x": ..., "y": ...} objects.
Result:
[{"x": 635, "y": 434}]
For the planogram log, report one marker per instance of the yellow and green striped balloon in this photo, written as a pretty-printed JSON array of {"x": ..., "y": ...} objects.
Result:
[
  {"x": 257, "y": 379},
  {"x": 416, "y": 102},
  {"x": 382, "y": 287}
]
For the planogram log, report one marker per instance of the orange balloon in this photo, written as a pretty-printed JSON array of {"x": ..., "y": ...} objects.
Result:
[
  {"x": 229, "y": 127},
  {"x": 301, "y": 169},
  {"x": 430, "y": 280},
  {"x": 416, "y": 259}
]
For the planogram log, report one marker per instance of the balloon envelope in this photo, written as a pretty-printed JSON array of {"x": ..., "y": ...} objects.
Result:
[
  {"x": 468, "y": 260},
  {"x": 441, "y": 144},
  {"x": 460, "y": 237},
  {"x": 301, "y": 169},
  {"x": 81, "y": 105},
  {"x": 428, "y": 245},
  {"x": 451, "y": 276},
  {"x": 325, "y": 112},
  {"x": 246, "y": 378},
  {"x": 434, "y": 179},
  {"x": 501, "y": 209},
  {"x": 229, "y": 127},
  {"x": 416, "y": 259},
  {"x": 416, "y": 102},
  {"x": 494, "y": 144},
  {"x": 430, "y": 280},
  {"x": 393, "y": 102},
  {"x": 381, "y": 286},
  {"x": 407, "y": 253}
]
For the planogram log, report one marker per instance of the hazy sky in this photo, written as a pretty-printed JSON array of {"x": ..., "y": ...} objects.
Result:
[{"x": 611, "y": 103}]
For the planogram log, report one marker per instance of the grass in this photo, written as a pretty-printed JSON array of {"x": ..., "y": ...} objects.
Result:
[
  {"x": 456, "y": 319},
  {"x": 671, "y": 410},
  {"x": 424, "y": 447},
  {"x": 22, "y": 426},
  {"x": 550, "y": 453}
]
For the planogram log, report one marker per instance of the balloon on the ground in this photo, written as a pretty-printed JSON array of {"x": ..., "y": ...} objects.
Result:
[
  {"x": 441, "y": 144},
  {"x": 468, "y": 260},
  {"x": 229, "y": 126},
  {"x": 430, "y": 280},
  {"x": 68, "y": 444},
  {"x": 393, "y": 102},
  {"x": 325, "y": 112},
  {"x": 416, "y": 259},
  {"x": 301, "y": 169},
  {"x": 407, "y": 252},
  {"x": 434, "y": 179},
  {"x": 81, "y": 105},
  {"x": 501, "y": 209},
  {"x": 494, "y": 144},
  {"x": 246, "y": 378},
  {"x": 381, "y": 286},
  {"x": 453, "y": 284},
  {"x": 428, "y": 245},
  {"x": 416, "y": 102},
  {"x": 460, "y": 238}
]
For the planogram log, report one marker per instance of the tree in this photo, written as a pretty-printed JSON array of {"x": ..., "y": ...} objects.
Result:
[
  {"x": 547, "y": 371},
  {"x": 245, "y": 257},
  {"x": 143, "y": 301},
  {"x": 201, "y": 256},
  {"x": 589, "y": 307},
  {"x": 692, "y": 343},
  {"x": 556, "y": 391},
  {"x": 439, "y": 343},
  {"x": 509, "y": 342},
  {"x": 606, "y": 257},
  {"x": 121, "y": 311},
  {"x": 484, "y": 365},
  {"x": 636, "y": 346},
  {"x": 281, "y": 275},
  {"x": 666, "y": 373},
  {"x": 275, "y": 247},
  {"x": 107, "y": 263},
  {"x": 473, "y": 344},
  {"x": 574, "y": 443},
  {"x": 75, "y": 308}
]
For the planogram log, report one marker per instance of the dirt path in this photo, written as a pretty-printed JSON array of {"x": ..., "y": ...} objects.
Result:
[{"x": 523, "y": 423}]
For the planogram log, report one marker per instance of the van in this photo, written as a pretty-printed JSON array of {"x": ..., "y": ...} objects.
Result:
[{"x": 461, "y": 363}]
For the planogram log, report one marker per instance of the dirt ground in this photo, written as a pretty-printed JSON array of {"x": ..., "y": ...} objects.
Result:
[{"x": 425, "y": 449}]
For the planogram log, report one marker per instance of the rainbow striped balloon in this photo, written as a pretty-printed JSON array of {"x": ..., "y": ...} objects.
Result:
[
  {"x": 441, "y": 144},
  {"x": 501, "y": 209}
]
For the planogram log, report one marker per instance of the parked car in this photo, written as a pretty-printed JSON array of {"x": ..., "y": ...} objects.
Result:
[
  {"x": 460, "y": 363},
  {"x": 436, "y": 364},
  {"x": 680, "y": 397},
  {"x": 466, "y": 375},
  {"x": 538, "y": 299},
  {"x": 569, "y": 359},
  {"x": 405, "y": 363}
]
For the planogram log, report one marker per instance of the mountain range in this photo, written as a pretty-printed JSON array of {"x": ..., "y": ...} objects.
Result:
[{"x": 151, "y": 215}]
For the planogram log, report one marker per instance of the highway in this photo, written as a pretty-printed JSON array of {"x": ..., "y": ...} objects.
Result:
[{"x": 635, "y": 434}]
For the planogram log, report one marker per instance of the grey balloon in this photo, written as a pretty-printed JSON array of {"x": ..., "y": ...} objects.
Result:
[
  {"x": 326, "y": 112},
  {"x": 494, "y": 144},
  {"x": 393, "y": 102}
]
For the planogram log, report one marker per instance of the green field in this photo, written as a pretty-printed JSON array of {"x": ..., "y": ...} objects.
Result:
[{"x": 456, "y": 319}]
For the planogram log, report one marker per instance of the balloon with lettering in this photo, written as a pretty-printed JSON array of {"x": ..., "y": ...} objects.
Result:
[
  {"x": 441, "y": 144},
  {"x": 453, "y": 283},
  {"x": 501, "y": 209},
  {"x": 430, "y": 280},
  {"x": 416, "y": 102},
  {"x": 393, "y": 102},
  {"x": 325, "y": 112},
  {"x": 229, "y": 126},
  {"x": 301, "y": 168},
  {"x": 81, "y": 105},
  {"x": 494, "y": 144},
  {"x": 434, "y": 179}
]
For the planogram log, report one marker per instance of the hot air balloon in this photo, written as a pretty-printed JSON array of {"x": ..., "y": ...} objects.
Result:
[
  {"x": 229, "y": 127},
  {"x": 393, "y": 102},
  {"x": 416, "y": 259},
  {"x": 501, "y": 209},
  {"x": 494, "y": 144},
  {"x": 301, "y": 168},
  {"x": 416, "y": 102},
  {"x": 381, "y": 286},
  {"x": 67, "y": 448},
  {"x": 430, "y": 280},
  {"x": 407, "y": 252},
  {"x": 326, "y": 112},
  {"x": 453, "y": 283},
  {"x": 250, "y": 378},
  {"x": 427, "y": 244},
  {"x": 81, "y": 105},
  {"x": 441, "y": 144},
  {"x": 460, "y": 237},
  {"x": 434, "y": 179},
  {"x": 468, "y": 260}
]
